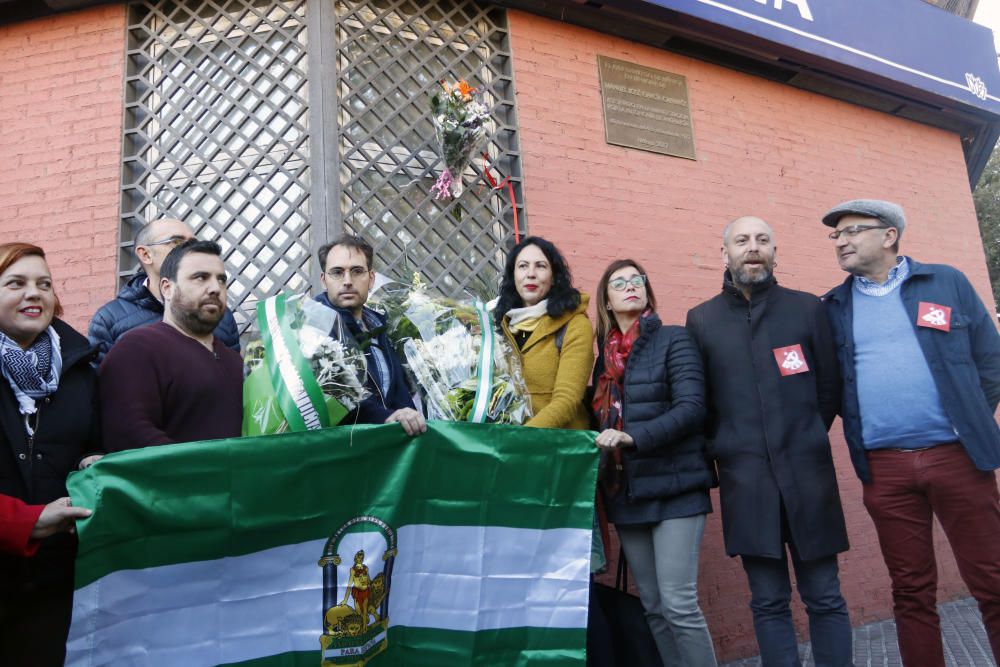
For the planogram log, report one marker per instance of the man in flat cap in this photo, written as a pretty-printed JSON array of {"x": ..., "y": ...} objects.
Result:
[{"x": 920, "y": 360}]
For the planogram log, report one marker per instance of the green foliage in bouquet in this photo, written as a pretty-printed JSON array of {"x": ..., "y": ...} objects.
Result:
[
  {"x": 503, "y": 405},
  {"x": 440, "y": 340}
]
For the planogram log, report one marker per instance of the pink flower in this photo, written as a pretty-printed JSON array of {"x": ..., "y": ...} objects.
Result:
[{"x": 442, "y": 188}]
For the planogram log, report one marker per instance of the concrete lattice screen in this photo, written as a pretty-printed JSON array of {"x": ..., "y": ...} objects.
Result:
[
  {"x": 217, "y": 134},
  {"x": 273, "y": 126},
  {"x": 391, "y": 57}
]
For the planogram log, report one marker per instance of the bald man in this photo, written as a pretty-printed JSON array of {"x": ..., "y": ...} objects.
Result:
[
  {"x": 139, "y": 302},
  {"x": 773, "y": 391}
]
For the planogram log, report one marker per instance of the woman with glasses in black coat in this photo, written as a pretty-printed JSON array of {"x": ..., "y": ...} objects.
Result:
[{"x": 649, "y": 403}]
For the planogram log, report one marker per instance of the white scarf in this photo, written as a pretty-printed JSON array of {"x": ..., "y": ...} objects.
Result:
[{"x": 517, "y": 315}]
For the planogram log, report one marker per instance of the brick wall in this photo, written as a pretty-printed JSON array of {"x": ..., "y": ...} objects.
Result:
[
  {"x": 763, "y": 149},
  {"x": 60, "y": 147}
]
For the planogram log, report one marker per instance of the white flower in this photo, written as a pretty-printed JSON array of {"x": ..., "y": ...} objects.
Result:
[{"x": 441, "y": 341}]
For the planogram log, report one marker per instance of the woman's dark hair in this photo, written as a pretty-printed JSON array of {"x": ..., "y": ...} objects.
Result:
[
  {"x": 562, "y": 296},
  {"x": 604, "y": 318}
]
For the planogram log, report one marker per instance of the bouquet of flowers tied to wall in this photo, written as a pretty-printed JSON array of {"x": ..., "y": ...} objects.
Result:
[
  {"x": 463, "y": 369},
  {"x": 304, "y": 372},
  {"x": 460, "y": 119}
]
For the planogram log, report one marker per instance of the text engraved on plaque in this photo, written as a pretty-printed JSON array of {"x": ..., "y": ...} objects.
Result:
[{"x": 645, "y": 108}]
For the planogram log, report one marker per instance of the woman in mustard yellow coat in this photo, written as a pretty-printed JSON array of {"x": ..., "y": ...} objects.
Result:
[{"x": 545, "y": 317}]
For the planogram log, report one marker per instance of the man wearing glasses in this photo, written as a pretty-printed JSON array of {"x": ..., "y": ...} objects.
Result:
[
  {"x": 920, "y": 360},
  {"x": 347, "y": 277},
  {"x": 139, "y": 302},
  {"x": 773, "y": 392}
]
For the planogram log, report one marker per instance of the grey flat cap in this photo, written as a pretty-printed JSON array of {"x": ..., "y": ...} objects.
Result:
[{"x": 889, "y": 213}]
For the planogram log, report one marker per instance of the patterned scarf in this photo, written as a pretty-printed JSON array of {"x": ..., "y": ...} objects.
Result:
[
  {"x": 32, "y": 373},
  {"x": 608, "y": 395}
]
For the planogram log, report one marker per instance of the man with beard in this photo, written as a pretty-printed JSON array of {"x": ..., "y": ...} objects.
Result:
[
  {"x": 773, "y": 391},
  {"x": 174, "y": 381},
  {"x": 348, "y": 276},
  {"x": 139, "y": 302}
]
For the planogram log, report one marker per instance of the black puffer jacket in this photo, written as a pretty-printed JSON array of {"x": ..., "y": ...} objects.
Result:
[
  {"x": 666, "y": 474},
  {"x": 135, "y": 306},
  {"x": 35, "y": 472}
]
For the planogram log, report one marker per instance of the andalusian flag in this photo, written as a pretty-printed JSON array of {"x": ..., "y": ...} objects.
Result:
[{"x": 468, "y": 545}]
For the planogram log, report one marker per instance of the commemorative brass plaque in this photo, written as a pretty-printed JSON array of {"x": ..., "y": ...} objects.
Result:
[{"x": 645, "y": 108}]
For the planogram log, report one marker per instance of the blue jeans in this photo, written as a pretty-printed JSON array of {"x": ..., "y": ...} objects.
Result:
[
  {"x": 663, "y": 559},
  {"x": 818, "y": 583}
]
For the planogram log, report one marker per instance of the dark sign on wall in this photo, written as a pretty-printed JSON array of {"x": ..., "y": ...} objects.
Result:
[{"x": 645, "y": 108}]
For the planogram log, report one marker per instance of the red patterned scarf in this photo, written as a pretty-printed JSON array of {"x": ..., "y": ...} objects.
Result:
[{"x": 609, "y": 393}]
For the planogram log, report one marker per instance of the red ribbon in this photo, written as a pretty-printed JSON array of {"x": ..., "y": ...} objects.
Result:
[{"x": 510, "y": 188}]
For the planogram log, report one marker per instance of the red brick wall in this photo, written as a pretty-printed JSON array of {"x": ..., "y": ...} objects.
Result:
[
  {"x": 763, "y": 149},
  {"x": 60, "y": 147}
]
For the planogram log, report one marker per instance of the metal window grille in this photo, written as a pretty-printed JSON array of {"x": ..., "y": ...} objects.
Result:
[
  {"x": 272, "y": 144},
  {"x": 391, "y": 56}
]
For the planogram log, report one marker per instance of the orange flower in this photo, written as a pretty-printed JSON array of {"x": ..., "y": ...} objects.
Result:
[{"x": 465, "y": 89}]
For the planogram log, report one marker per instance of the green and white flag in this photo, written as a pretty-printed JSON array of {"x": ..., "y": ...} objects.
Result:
[{"x": 467, "y": 545}]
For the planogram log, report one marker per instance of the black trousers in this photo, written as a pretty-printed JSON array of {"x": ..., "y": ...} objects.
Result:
[{"x": 34, "y": 625}]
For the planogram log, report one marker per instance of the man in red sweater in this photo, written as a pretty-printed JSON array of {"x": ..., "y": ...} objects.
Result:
[{"x": 174, "y": 381}]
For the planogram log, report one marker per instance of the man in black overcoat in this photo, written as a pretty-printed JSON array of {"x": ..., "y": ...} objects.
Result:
[{"x": 773, "y": 391}]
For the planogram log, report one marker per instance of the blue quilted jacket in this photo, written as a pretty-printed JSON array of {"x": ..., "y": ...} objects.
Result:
[{"x": 135, "y": 306}]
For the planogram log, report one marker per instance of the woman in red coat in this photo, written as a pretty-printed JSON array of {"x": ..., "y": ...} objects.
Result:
[
  {"x": 23, "y": 526},
  {"x": 48, "y": 424}
]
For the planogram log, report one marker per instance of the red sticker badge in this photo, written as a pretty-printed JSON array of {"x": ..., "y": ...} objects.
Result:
[
  {"x": 933, "y": 316},
  {"x": 791, "y": 360}
]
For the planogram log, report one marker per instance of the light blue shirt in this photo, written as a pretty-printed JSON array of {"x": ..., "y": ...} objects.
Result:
[{"x": 898, "y": 399}]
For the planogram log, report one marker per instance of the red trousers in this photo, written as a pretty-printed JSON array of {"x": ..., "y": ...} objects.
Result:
[{"x": 906, "y": 490}]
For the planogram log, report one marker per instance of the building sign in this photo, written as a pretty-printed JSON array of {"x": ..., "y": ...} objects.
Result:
[
  {"x": 645, "y": 108},
  {"x": 913, "y": 43}
]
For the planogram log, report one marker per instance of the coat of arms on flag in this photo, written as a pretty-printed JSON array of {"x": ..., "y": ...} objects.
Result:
[
  {"x": 468, "y": 544},
  {"x": 355, "y": 629}
]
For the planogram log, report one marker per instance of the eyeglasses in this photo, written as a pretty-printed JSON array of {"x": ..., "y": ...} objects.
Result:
[
  {"x": 618, "y": 284},
  {"x": 854, "y": 230},
  {"x": 338, "y": 273},
  {"x": 172, "y": 241}
]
